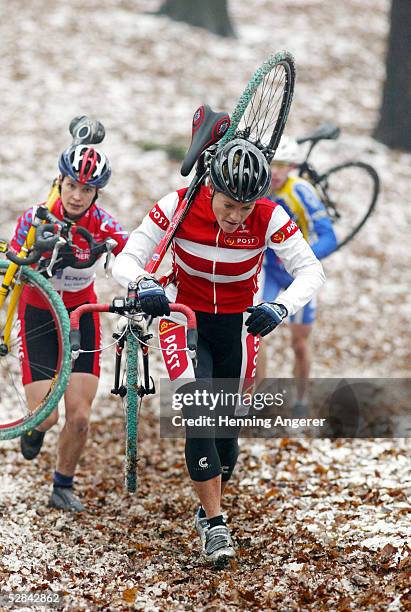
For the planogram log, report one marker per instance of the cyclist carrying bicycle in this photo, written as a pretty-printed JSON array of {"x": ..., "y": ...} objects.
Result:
[
  {"x": 217, "y": 254},
  {"x": 300, "y": 200},
  {"x": 83, "y": 172}
]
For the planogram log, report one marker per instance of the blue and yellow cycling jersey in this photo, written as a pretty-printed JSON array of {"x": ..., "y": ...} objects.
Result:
[{"x": 300, "y": 200}]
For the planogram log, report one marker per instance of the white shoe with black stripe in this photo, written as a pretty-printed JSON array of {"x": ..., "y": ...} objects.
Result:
[{"x": 218, "y": 548}]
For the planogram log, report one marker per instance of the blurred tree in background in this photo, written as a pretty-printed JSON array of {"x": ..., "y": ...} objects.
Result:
[
  {"x": 394, "y": 126},
  {"x": 209, "y": 14}
]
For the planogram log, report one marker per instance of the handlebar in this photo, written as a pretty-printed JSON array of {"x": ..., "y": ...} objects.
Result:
[
  {"x": 192, "y": 334},
  {"x": 53, "y": 234},
  {"x": 96, "y": 248},
  {"x": 75, "y": 316},
  {"x": 121, "y": 308}
]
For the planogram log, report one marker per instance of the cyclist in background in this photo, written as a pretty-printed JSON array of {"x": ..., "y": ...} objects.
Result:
[
  {"x": 300, "y": 200},
  {"x": 217, "y": 254},
  {"x": 84, "y": 170}
]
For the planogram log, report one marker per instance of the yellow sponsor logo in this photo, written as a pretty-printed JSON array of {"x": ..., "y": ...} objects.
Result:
[
  {"x": 278, "y": 237},
  {"x": 166, "y": 325}
]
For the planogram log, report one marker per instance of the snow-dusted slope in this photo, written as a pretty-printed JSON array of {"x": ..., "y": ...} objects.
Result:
[{"x": 143, "y": 76}]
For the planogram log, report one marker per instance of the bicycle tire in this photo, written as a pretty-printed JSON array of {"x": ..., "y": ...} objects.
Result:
[
  {"x": 347, "y": 180},
  {"x": 10, "y": 367},
  {"x": 253, "y": 117},
  {"x": 131, "y": 413}
]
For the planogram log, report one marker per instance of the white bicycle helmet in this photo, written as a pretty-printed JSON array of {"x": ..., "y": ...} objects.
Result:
[{"x": 287, "y": 151}]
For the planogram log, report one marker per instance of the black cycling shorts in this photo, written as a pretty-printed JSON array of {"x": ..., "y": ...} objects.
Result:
[
  {"x": 222, "y": 354},
  {"x": 39, "y": 344}
]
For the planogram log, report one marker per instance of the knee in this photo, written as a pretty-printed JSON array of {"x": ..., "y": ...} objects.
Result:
[
  {"x": 300, "y": 347},
  {"x": 78, "y": 421},
  {"x": 202, "y": 459}
]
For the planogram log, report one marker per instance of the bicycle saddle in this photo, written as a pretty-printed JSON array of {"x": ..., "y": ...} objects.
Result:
[
  {"x": 208, "y": 127},
  {"x": 326, "y": 131},
  {"x": 86, "y": 131}
]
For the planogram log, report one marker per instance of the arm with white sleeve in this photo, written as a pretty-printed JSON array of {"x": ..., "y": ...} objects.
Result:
[{"x": 130, "y": 263}]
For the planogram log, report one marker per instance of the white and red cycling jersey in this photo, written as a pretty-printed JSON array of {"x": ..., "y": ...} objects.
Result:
[
  {"x": 217, "y": 272},
  {"x": 76, "y": 286}
]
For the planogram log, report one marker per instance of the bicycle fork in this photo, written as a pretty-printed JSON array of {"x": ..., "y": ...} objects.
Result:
[
  {"x": 118, "y": 388},
  {"x": 144, "y": 389},
  {"x": 149, "y": 386}
]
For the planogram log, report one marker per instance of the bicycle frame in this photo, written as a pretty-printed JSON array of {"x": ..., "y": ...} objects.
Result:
[
  {"x": 324, "y": 183},
  {"x": 208, "y": 128},
  {"x": 178, "y": 217}
]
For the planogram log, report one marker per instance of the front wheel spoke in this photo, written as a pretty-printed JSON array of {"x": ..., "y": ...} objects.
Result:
[
  {"x": 265, "y": 106},
  {"x": 270, "y": 94},
  {"x": 38, "y": 367},
  {"x": 21, "y": 400},
  {"x": 34, "y": 333}
]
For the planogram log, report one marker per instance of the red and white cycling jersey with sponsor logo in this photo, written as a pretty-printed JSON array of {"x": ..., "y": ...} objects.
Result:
[
  {"x": 217, "y": 272},
  {"x": 76, "y": 286}
]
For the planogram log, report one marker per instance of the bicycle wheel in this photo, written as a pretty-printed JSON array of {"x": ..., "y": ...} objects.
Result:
[
  {"x": 131, "y": 407},
  {"x": 19, "y": 357},
  {"x": 349, "y": 192},
  {"x": 262, "y": 110}
]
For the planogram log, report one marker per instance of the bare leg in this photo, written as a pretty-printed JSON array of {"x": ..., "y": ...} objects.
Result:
[
  {"x": 78, "y": 398},
  {"x": 300, "y": 342},
  {"x": 224, "y": 483},
  {"x": 209, "y": 493},
  {"x": 35, "y": 392},
  {"x": 261, "y": 369}
]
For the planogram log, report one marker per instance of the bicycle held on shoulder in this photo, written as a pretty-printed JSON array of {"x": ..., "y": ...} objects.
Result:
[
  {"x": 259, "y": 116},
  {"x": 349, "y": 191}
]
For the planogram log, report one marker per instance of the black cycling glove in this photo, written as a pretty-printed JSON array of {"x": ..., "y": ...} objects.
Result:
[
  {"x": 152, "y": 298},
  {"x": 265, "y": 317}
]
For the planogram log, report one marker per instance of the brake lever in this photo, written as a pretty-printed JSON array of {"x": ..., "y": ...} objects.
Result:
[
  {"x": 193, "y": 356},
  {"x": 55, "y": 253},
  {"x": 110, "y": 245}
]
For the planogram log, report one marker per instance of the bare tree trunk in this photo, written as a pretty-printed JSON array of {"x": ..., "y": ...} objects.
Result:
[
  {"x": 394, "y": 126},
  {"x": 209, "y": 14}
]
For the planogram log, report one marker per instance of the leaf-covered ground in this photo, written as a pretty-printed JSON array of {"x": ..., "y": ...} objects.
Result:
[{"x": 320, "y": 525}]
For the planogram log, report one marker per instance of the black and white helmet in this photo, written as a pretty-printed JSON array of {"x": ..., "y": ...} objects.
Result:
[{"x": 241, "y": 171}]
